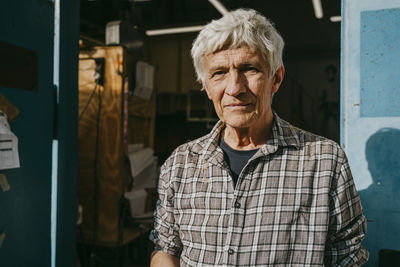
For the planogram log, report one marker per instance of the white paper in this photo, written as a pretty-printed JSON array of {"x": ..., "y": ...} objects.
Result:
[
  {"x": 132, "y": 148},
  {"x": 148, "y": 177},
  {"x": 144, "y": 80},
  {"x": 9, "y": 157},
  {"x": 112, "y": 32},
  {"x": 140, "y": 159},
  {"x": 137, "y": 199}
]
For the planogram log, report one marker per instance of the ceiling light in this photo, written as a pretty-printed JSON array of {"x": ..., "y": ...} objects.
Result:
[
  {"x": 220, "y": 7},
  {"x": 317, "y": 9},
  {"x": 335, "y": 18},
  {"x": 174, "y": 30}
]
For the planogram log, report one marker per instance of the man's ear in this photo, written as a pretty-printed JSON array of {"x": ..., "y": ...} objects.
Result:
[{"x": 277, "y": 79}]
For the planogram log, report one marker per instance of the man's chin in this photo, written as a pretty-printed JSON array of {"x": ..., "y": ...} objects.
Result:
[{"x": 240, "y": 123}]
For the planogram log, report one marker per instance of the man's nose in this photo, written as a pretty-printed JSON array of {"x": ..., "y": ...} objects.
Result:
[{"x": 236, "y": 84}]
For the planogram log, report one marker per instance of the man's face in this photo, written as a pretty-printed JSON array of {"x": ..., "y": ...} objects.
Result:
[{"x": 238, "y": 83}]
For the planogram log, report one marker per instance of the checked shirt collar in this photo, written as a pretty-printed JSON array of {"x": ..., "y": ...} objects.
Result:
[{"x": 283, "y": 135}]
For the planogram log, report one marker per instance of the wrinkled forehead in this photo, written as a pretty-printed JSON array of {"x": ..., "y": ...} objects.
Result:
[
  {"x": 229, "y": 44},
  {"x": 242, "y": 55}
]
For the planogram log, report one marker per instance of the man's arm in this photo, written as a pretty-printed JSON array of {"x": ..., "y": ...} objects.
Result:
[
  {"x": 165, "y": 234},
  {"x": 347, "y": 226},
  {"x": 162, "y": 259}
]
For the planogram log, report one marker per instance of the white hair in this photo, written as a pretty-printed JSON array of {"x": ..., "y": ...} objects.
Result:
[{"x": 242, "y": 27}]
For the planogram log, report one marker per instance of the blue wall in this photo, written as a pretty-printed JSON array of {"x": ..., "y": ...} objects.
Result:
[
  {"x": 25, "y": 210},
  {"x": 370, "y": 115}
]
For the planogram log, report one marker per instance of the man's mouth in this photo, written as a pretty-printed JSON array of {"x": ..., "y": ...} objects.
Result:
[{"x": 238, "y": 105}]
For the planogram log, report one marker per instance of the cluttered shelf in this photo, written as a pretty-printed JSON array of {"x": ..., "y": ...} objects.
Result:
[{"x": 116, "y": 167}]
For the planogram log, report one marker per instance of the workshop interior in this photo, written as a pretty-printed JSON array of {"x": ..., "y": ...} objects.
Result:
[{"x": 96, "y": 94}]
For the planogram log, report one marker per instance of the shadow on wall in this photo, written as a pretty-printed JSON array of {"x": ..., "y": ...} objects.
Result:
[{"x": 381, "y": 200}]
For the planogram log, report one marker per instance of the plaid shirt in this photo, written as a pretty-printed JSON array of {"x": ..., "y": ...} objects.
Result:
[{"x": 294, "y": 204}]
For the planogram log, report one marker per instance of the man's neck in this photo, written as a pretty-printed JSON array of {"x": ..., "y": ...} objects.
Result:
[{"x": 248, "y": 138}]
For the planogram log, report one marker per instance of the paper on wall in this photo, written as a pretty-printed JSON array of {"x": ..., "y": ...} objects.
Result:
[
  {"x": 9, "y": 157},
  {"x": 144, "y": 80}
]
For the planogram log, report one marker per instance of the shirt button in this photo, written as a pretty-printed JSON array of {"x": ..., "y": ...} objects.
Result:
[
  {"x": 230, "y": 251},
  {"x": 237, "y": 204}
]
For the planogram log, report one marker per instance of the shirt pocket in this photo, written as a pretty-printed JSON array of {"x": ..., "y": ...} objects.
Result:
[
  {"x": 197, "y": 196},
  {"x": 207, "y": 191}
]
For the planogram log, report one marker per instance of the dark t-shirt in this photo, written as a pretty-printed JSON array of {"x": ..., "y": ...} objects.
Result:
[{"x": 236, "y": 159}]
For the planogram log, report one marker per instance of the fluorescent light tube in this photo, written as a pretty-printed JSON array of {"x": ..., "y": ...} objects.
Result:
[
  {"x": 174, "y": 30},
  {"x": 335, "y": 18},
  {"x": 220, "y": 7},
  {"x": 317, "y": 9}
]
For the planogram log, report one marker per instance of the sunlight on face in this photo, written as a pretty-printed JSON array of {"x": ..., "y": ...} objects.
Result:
[{"x": 238, "y": 83}]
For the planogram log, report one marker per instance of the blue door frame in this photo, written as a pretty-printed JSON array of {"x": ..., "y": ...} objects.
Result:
[{"x": 67, "y": 133}]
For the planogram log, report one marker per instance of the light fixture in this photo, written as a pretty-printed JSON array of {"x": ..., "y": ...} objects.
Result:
[
  {"x": 335, "y": 18},
  {"x": 220, "y": 7},
  {"x": 317, "y": 9},
  {"x": 174, "y": 30},
  {"x": 217, "y": 4}
]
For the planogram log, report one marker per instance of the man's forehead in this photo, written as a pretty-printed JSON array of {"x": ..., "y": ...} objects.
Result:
[
  {"x": 241, "y": 55},
  {"x": 243, "y": 50}
]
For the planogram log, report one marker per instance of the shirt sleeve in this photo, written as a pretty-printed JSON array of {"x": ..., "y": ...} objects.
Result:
[
  {"x": 347, "y": 226},
  {"x": 165, "y": 234}
]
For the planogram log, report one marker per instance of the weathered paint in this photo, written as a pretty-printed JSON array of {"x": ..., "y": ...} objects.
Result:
[
  {"x": 380, "y": 50},
  {"x": 370, "y": 98},
  {"x": 25, "y": 208}
]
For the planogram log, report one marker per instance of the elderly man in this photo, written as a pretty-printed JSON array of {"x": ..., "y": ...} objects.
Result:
[{"x": 255, "y": 191}]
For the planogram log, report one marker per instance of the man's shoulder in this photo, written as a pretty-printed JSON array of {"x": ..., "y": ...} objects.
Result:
[
  {"x": 311, "y": 141},
  {"x": 195, "y": 146},
  {"x": 192, "y": 148}
]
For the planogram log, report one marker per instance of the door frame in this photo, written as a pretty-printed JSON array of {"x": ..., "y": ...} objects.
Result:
[{"x": 67, "y": 132}]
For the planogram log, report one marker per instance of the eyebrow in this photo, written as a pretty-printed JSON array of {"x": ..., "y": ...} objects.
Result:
[
  {"x": 249, "y": 64},
  {"x": 242, "y": 65},
  {"x": 217, "y": 68}
]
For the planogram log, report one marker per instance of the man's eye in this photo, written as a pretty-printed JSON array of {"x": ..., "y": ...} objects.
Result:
[
  {"x": 250, "y": 69},
  {"x": 218, "y": 73}
]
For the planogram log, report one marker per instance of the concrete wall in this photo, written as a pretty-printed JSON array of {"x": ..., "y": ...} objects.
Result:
[{"x": 370, "y": 116}]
